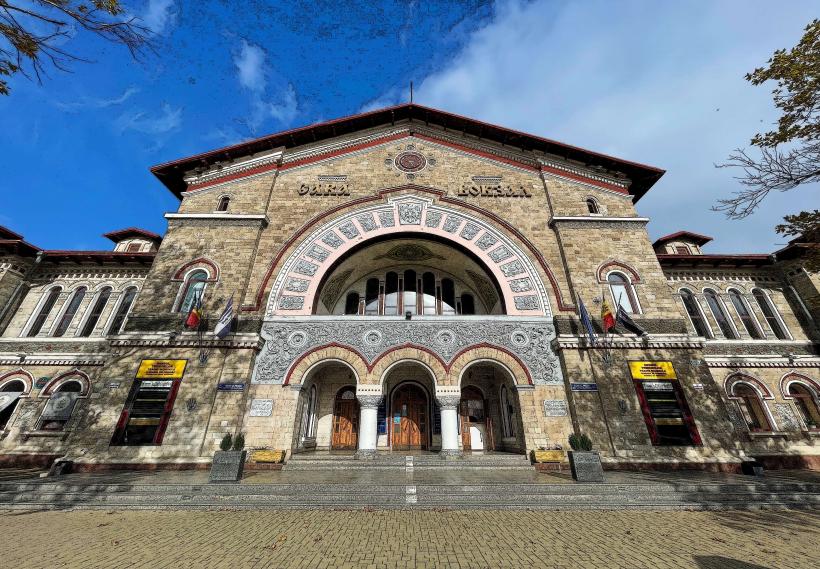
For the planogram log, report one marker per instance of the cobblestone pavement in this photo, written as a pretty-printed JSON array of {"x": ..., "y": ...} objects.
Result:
[{"x": 460, "y": 539}]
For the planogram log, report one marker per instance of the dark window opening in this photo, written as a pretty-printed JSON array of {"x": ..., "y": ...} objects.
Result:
[
  {"x": 467, "y": 304},
  {"x": 223, "y": 203},
  {"x": 9, "y": 399},
  {"x": 695, "y": 315},
  {"x": 720, "y": 315},
  {"x": 352, "y": 303},
  {"x": 770, "y": 313},
  {"x": 745, "y": 315},
  {"x": 122, "y": 310},
  {"x": 592, "y": 206},
  {"x": 96, "y": 312},
  {"x": 70, "y": 311},
  {"x": 45, "y": 309},
  {"x": 146, "y": 413},
  {"x": 666, "y": 413}
]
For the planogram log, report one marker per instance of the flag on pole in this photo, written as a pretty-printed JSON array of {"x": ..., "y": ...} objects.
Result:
[
  {"x": 586, "y": 321},
  {"x": 223, "y": 325},
  {"x": 623, "y": 319},
  {"x": 607, "y": 319},
  {"x": 195, "y": 315}
]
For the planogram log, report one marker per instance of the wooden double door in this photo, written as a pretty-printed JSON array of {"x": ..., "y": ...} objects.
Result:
[
  {"x": 410, "y": 419},
  {"x": 345, "y": 434}
]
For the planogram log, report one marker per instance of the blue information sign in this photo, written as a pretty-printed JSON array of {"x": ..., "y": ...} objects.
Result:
[
  {"x": 230, "y": 387},
  {"x": 583, "y": 386}
]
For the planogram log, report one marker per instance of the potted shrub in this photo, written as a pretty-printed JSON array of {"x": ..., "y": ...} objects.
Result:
[
  {"x": 583, "y": 461},
  {"x": 228, "y": 464}
]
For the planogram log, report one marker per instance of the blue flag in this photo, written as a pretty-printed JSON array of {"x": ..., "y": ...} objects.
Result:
[
  {"x": 585, "y": 320},
  {"x": 223, "y": 326}
]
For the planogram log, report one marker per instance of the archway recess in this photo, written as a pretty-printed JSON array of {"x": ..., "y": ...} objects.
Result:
[{"x": 294, "y": 291}]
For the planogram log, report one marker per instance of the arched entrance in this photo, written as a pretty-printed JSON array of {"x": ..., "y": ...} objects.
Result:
[
  {"x": 345, "y": 433},
  {"x": 476, "y": 423},
  {"x": 410, "y": 418}
]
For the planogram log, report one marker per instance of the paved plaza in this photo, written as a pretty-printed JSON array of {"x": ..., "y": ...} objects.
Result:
[{"x": 463, "y": 539}]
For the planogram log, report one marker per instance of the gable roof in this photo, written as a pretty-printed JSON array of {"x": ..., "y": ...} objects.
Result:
[
  {"x": 695, "y": 238},
  {"x": 171, "y": 173},
  {"x": 120, "y": 234}
]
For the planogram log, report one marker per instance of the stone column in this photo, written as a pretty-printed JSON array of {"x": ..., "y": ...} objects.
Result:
[
  {"x": 448, "y": 403},
  {"x": 368, "y": 424}
]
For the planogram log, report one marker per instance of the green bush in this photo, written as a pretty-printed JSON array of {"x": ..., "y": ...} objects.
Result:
[
  {"x": 239, "y": 442},
  {"x": 226, "y": 442},
  {"x": 580, "y": 442}
]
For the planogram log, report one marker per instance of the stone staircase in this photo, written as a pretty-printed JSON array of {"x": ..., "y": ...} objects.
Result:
[
  {"x": 362, "y": 494},
  {"x": 398, "y": 461}
]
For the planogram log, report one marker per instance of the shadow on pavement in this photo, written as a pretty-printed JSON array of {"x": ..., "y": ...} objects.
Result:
[{"x": 720, "y": 562}]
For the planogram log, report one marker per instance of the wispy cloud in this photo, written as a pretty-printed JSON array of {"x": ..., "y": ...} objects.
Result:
[
  {"x": 159, "y": 15},
  {"x": 269, "y": 96},
  {"x": 95, "y": 103},
  {"x": 169, "y": 119}
]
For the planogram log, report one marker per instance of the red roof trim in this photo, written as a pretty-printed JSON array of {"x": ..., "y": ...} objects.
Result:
[
  {"x": 7, "y": 233},
  {"x": 121, "y": 234},
  {"x": 697, "y": 238}
]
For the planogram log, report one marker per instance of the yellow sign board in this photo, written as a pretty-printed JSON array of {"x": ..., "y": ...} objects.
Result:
[
  {"x": 272, "y": 456},
  {"x": 161, "y": 369},
  {"x": 652, "y": 370}
]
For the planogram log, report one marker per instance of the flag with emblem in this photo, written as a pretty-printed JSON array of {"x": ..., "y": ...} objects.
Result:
[
  {"x": 223, "y": 326},
  {"x": 607, "y": 319},
  {"x": 586, "y": 321},
  {"x": 195, "y": 315}
]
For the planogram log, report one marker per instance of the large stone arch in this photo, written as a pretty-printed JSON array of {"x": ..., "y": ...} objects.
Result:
[
  {"x": 408, "y": 353},
  {"x": 353, "y": 360},
  {"x": 493, "y": 354},
  {"x": 300, "y": 273}
]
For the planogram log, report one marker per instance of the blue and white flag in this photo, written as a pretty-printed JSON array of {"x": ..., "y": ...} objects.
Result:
[
  {"x": 585, "y": 320},
  {"x": 223, "y": 326}
]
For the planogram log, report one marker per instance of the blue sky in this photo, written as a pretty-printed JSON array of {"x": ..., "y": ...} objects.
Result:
[{"x": 655, "y": 82}]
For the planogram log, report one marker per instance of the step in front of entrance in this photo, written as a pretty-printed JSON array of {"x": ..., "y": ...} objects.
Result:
[{"x": 398, "y": 461}]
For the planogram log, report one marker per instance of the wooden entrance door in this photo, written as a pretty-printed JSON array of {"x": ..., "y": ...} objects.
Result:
[
  {"x": 410, "y": 418},
  {"x": 476, "y": 427},
  {"x": 345, "y": 420}
]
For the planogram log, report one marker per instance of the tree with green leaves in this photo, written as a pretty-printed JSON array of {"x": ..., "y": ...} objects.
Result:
[
  {"x": 33, "y": 33},
  {"x": 788, "y": 156}
]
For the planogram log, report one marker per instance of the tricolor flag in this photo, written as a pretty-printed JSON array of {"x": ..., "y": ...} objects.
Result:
[
  {"x": 624, "y": 320},
  {"x": 607, "y": 319},
  {"x": 586, "y": 321},
  {"x": 195, "y": 315},
  {"x": 223, "y": 326}
]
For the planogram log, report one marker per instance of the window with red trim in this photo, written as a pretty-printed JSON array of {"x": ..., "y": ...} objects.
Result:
[
  {"x": 666, "y": 413},
  {"x": 146, "y": 414}
]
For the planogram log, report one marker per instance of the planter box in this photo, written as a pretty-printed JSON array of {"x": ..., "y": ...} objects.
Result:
[
  {"x": 228, "y": 466},
  {"x": 586, "y": 466},
  {"x": 268, "y": 456},
  {"x": 541, "y": 456}
]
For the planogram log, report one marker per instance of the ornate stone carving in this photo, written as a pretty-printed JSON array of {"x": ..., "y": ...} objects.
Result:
[
  {"x": 527, "y": 303},
  {"x": 386, "y": 218},
  {"x": 411, "y": 161},
  {"x": 369, "y": 400},
  {"x": 297, "y": 285},
  {"x": 512, "y": 269},
  {"x": 788, "y": 421},
  {"x": 485, "y": 288},
  {"x": 367, "y": 222},
  {"x": 530, "y": 340},
  {"x": 486, "y": 241},
  {"x": 452, "y": 223},
  {"x": 521, "y": 285},
  {"x": 331, "y": 239},
  {"x": 449, "y": 401},
  {"x": 305, "y": 268},
  {"x": 410, "y": 253},
  {"x": 349, "y": 230},
  {"x": 433, "y": 218},
  {"x": 291, "y": 302},
  {"x": 470, "y": 230},
  {"x": 333, "y": 288},
  {"x": 410, "y": 213},
  {"x": 499, "y": 254},
  {"x": 318, "y": 253}
]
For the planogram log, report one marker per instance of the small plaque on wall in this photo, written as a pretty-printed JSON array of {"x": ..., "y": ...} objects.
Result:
[
  {"x": 261, "y": 408},
  {"x": 555, "y": 408},
  {"x": 112, "y": 384}
]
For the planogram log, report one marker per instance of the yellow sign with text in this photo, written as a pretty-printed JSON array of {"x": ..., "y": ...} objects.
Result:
[
  {"x": 161, "y": 369},
  {"x": 652, "y": 370}
]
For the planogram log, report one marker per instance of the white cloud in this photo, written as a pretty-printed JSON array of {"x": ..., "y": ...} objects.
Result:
[
  {"x": 641, "y": 81},
  {"x": 169, "y": 119},
  {"x": 159, "y": 15},
  {"x": 250, "y": 67},
  {"x": 92, "y": 102}
]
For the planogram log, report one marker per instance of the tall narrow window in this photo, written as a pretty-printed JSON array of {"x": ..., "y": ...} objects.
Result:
[
  {"x": 806, "y": 404},
  {"x": 592, "y": 206},
  {"x": 752, "y": 407},
  {"x": 96, "y": 311},
  {"x": 745, "y": 316},
  {"x": 122, "y": 310},
  {"x": 428, "y": 285},
  {"x": 371, "y": 297},
  {"x": 410, "y": 291},
  {"x": 352, "y": 303},
  {"x": 70, "y": 311},
  {"x": 622, "y": 292},
  {"x": 311, "y": 425},
  {"x": 391, "y": 293},
  {"x": 507, "y": 412},
  {"x": 45, "y": 310},
  {"x": 448, "y": 297},
  {"x": 720, "y": 315},
  {"x": 194, "y": 286},
  {"x": 695, "y": 315},
  {"x": 467, "y": 304},
  {"x": 224, "y": 201},
  {"x": 770, "y": 313}
]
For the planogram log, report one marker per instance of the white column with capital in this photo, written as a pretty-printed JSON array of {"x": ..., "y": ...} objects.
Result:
[
  {"x": 369, "y": 401},
  {"x": 448, "y": 401}
]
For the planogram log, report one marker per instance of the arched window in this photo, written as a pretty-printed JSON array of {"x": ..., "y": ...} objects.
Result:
[
  {"x": 752, "y": 407},
  {"x": 371, "y": 297},
  {"x": 745, "y": 316},
  {"x": 428, "y": 286},
  {"x": 770, "y": 313},
  {"x": 467, "y": 304},
  {"x": 622, "y": 292},
  {"x": 448, "y": 297},
  {"x": 133, "y": 247},
  {"x": 391, "y": 293},
  {"x": 507, "y": 413},
  {"x": 695, "y": 315},
  {"x": 96, "y": 311},
  {"x": 60, "y": 406},
  {"x": 224, "y": 201},
  {"x": 410, "y": 291},
  {"x": 45, "y": 309},
  {"x": 310, "y": 432},
  {"x": 9, "y": 398},
  {"x": 806, "y": 404},
  {"x": 592, "y": 206},
  {"x": 193, "y": 287},
  {"x": 352, "y": 303},
  {"x": 719, "y": 313},
  {"x": 122, "y": 310},
  {"x": 70, "y": 311}
]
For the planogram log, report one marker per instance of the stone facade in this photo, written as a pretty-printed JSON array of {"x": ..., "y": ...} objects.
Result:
[{"x": 414, "y": 256}]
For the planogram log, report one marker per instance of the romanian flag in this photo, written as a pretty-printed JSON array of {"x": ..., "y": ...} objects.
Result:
[
  {"x": 195, "y": 315},
  {"x": 607, "y": 318}
]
